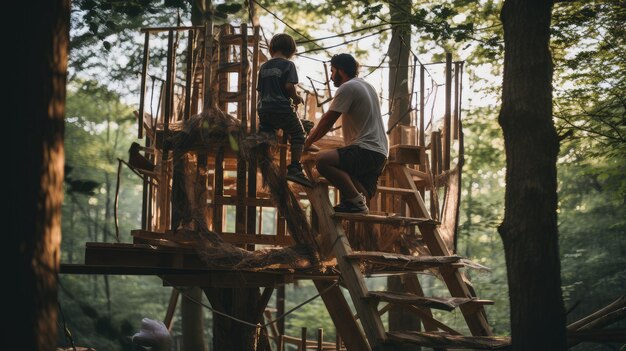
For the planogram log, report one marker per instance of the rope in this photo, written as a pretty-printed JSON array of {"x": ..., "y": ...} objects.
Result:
[
  {"x": 347, "y": 41},
  {"x": 258, "y": 325},
  {"x": 342, "y": 34},
  {"x": 66, "y": 330},
  {"x": 285, "y": 23}
]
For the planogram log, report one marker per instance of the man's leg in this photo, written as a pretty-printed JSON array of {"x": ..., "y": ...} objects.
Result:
[{"x": 327, "y": 163}]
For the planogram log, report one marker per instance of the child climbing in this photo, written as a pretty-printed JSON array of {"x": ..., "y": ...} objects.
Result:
[{"x": 277, "y": 101}]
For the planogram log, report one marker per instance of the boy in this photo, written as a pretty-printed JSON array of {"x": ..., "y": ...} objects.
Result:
[{"x": 277, "y": 94}]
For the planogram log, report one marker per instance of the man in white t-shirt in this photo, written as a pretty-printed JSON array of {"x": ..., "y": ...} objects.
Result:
[{"x": 353, "y": 169}]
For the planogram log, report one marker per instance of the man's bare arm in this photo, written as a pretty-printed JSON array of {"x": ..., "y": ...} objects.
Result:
[{"x": 323, "y": 126}]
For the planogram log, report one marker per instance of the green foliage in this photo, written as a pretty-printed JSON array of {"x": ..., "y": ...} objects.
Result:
[{"x": 101, "y": 312}]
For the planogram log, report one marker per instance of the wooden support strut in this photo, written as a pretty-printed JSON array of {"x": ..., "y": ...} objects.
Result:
[
  {"x": 350, "y": 272},
  {"x": 474, "y": 317}
]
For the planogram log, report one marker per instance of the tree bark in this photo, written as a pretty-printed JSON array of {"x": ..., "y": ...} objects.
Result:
[
  {"x": 35, "y": 108},
  {"x": 399, "y": 64},
  {"x": 529, "y": 230},
  {"x": 193, "y": 320}
]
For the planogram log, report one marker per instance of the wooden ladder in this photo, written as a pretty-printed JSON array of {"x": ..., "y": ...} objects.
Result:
[{"x": 437, "y": 334}]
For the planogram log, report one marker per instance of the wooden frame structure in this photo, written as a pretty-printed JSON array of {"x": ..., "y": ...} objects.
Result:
[{"x": 220, "y": 70}]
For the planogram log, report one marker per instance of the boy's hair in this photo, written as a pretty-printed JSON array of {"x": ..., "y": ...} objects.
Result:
[
  {"x": 345, "y": 62},
  {"x": 283, "y": 43}
]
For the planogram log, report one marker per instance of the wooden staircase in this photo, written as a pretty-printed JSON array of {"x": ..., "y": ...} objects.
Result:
[{"x": 436, "y": 334}]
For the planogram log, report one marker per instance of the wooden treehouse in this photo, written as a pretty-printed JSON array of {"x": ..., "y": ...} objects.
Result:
[{"x": 209, "y": 196}]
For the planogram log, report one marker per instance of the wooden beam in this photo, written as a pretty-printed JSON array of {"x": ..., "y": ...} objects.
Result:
[
  {"x": 339, "y": 310},
  {"x": 350, "y": 272}
]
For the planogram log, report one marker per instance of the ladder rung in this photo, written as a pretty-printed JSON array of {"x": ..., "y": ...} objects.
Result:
[
  {"x": 444, "y": 340},
  {"x": 406, "y": 262},
  {"x": 391, "y": 220},
  {"x": 446, "y": 304}
]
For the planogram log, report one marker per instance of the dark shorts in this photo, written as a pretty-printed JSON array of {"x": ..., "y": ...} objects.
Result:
[
  {"x": 362, "y": 165},
  {"x": 288, "y": 122}
]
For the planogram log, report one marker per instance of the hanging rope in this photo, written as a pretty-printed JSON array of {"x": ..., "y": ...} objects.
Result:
[{"x": 258, "y": 325}]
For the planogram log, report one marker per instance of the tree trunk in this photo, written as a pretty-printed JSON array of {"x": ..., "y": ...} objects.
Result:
[
  {"x": 529, "y": 230},
  {"x": 244, "y": 304},
  {"x": 193, "y": 320},
  {"x": 36, "y": 71},
  {"x": 399, "y": 319},
  {"x": 399, "y": 64}
]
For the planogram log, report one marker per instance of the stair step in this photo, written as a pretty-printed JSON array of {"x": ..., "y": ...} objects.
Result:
[
  {"x": 445, "y": 304},
  {"x": 444, "y": 340},
  {"x": 407, "y": 262},
  {"x": 391, "y": 220}
]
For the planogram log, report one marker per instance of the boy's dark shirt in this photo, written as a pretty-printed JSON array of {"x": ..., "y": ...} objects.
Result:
[{"x": 273, "y": 75}]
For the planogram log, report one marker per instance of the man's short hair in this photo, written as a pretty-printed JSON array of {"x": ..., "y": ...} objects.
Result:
[
  {"x": 283, "y": 43},
  {"x": 345, "y": 62}
]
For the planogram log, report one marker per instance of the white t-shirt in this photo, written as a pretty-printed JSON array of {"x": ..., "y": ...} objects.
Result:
[{"x": 362, "y": 123}]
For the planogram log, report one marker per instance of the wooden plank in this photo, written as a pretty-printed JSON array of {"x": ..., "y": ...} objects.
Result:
[
  {"x": 404, "y": 261},
  {"x": 392, "y": 190},
  {"x": 252, "y": 166},
  {"x": 476, "y": 319},
  {"x": 188, "y": 239},
  {"x": 350, "y": 272},
  {"x": 142, "y": 96},
  {"x": 171, "y": 309},
  {"x": 390, "y": 220},
  {"x": 447, "y": 341},
  {"x": 445, "y": 304},
  {"x": 342, "y": 317},
  {"x": 407, "y": 154},
  {"x": 236, "y": 39}
]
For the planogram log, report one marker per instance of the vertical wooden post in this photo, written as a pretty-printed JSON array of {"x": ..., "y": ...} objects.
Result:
[
  {"x": 447, "y": 116},
  {"x": 188, "y": 77},
  {"x": 144, "y": 72},
  {"x": 252, "y": 166},
  {"x": 455, "y": 120},
  {"x": 280, "y": 308},
  {"x": 167, "y": 106},
  {"x": 422, "y": 136},
  {"x": 320, "y": 339},
  {"x": 303, "y": 340},
  {"x": 208, "y": 60},
  {"x": 171, "y": 309},
  {"x": 218, "y": 190},
  {"x": 242, "y": 109}
]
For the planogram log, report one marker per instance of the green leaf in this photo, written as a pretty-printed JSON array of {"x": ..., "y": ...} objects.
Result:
[{"x": 234, "y": 145}]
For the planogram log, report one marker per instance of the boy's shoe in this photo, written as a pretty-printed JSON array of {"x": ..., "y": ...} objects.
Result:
[
  {"x": 349, "y": 207},
  {"x": 295, "y": 174},
  {"x": 356, "y": 205}
]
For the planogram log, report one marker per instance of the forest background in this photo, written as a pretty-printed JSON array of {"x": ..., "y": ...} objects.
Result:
[{"x": 589, "y": 112}]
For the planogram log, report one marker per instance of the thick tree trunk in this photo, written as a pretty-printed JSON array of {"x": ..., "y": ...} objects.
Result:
[
  {"x": 399, "y": 63},
  {"x": 529, "y": 230},
  {"x": 399, "y": 319},
  {"x": 36, "y": 73},
  {"x": 244, "y": 304},
  {"x": 193, "y": 320}
]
